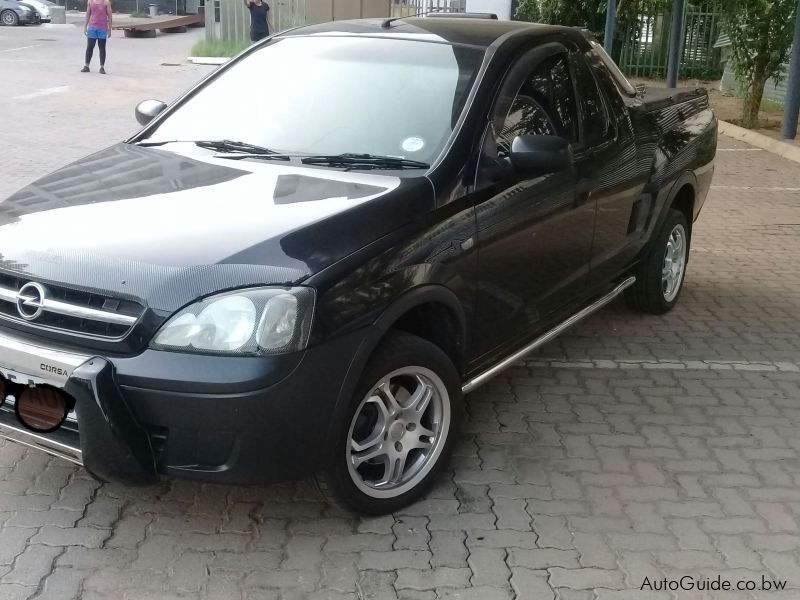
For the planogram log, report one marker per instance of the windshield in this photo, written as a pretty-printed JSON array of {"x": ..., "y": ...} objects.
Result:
[{"x": 334, "y": 95}]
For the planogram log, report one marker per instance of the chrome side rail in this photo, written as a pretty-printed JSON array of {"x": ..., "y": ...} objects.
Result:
[
  {"x": 492, "y": 372},
  {"x": 60, "y": 443},
  {"x": 29, "y": 364}
]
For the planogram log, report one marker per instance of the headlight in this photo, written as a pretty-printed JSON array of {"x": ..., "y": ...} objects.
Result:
[
  {"x": 24, "y": 9},
  {"x": 251, "y": 321}
]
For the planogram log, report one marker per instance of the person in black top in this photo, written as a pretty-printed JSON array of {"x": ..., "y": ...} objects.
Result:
[{"x": 259, "y": 19}]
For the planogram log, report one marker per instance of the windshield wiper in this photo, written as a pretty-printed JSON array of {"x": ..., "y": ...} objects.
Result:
[
  {"x": 369, "y": 161},
  {"x": 147, "y": 144},
  {"x": 223, "y": 146},
  {"x": 232, "y": 146}
]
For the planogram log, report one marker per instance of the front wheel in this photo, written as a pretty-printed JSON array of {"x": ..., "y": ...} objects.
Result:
[
  {"x": 9, "y": 17},
  {"x": 399, "y": 427},
  {"x": 660, "y": 277}
]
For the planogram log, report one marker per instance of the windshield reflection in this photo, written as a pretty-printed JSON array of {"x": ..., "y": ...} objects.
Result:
[{"x": 331, "y": 95}]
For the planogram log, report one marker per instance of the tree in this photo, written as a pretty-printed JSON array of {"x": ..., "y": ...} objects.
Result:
[
  {"x": 577, "y": 13},
  {"x": 761, "y": 34},
  {"x": 590, "y": 14},
  {"x": 528, "y": 10}
]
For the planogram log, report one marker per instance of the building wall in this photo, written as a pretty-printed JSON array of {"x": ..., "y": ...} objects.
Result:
[
  {"x": 320, "y": 11},
  {"x": 502, "y": 8},
  {"x": 772, "y": 91}
]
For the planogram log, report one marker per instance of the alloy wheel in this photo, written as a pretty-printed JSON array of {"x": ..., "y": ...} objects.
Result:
[
  {"x": 398, "y": 432},
  {"x": 674, "y": 263}
]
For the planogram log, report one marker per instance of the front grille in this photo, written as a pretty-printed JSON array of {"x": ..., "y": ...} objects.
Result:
[{"x": 70, "y": 311}]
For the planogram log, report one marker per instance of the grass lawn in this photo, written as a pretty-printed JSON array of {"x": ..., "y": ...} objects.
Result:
[{"x": 219, "y": 48}]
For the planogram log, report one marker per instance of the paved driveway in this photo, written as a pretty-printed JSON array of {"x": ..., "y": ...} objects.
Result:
[{"x": 631, "y": 450}]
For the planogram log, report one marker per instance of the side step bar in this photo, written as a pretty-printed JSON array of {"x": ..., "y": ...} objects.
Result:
[{"x": 478, "y": 381}]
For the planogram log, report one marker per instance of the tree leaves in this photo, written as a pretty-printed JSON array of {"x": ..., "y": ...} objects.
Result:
[
  {"x": 761, "y": 33},
  {"x": 579, "y": 13}
]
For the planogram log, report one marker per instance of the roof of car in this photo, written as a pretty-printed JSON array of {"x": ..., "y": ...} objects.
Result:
[{"x": 474, "y": 32}]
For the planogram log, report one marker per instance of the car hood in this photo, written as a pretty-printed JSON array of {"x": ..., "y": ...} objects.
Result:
[
  {"x": 167, "y": 225},
  {"x": 37, "y": 6}
]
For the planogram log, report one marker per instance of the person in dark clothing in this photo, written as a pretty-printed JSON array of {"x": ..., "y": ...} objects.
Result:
[{"x": 259, "y": 19}]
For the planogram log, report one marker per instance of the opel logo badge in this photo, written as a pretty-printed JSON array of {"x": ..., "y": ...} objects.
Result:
[{"x": 30, "y": 300}]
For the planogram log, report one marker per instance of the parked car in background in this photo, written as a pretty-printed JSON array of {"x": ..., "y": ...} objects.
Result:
[
  {"x": 241, "y": 300},
  {"x": 41, "y": 6},
  {"x": 18, "y": 13}
]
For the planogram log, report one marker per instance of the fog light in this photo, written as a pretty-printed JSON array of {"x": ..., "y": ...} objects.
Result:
[{"x": 41, "y": 409}]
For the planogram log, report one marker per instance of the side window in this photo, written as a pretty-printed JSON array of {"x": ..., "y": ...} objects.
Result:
[
  {"x": 544, "y": 105},
  {"x": 594, "y": 116},
  {"x": 607, "y": 83},
  {"x": 526, "y": 117},
  {"x": 550, "y": 85}
]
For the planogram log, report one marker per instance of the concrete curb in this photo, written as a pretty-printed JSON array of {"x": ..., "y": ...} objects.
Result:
[
  {"x": 208, "y": 60},
  {"x": 787, "y": 151}
]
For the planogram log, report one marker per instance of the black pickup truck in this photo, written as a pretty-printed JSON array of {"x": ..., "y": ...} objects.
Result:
[{"x": 303, "y": 264}]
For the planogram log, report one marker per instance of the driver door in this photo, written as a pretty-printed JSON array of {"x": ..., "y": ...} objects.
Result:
[{"x": 534, "y": 230}]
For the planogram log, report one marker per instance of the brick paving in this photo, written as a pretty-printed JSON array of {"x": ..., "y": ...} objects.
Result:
[{"x": 632, "y": 447}]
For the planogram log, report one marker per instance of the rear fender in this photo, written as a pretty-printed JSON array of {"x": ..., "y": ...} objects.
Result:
[{"x": 666, "y": 198}]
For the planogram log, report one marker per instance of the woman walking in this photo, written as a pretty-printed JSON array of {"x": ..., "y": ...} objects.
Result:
[
  {"x": 97, "y": 29},
  {"x": 259, "y": 19}
]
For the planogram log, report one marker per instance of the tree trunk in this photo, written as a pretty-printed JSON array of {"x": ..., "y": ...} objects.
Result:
[{"x": 752, "y": 100}]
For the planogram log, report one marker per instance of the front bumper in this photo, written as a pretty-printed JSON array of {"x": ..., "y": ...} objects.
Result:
[
  {"x": 220, "y": 419},
  {"x": 29, "y": 19},
  {"x": 27, "y": 364}
]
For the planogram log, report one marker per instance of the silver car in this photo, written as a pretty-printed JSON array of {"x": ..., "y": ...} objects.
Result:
[
  {"x": 42, "y": 7},
  {"x": 18, "y": 13}
]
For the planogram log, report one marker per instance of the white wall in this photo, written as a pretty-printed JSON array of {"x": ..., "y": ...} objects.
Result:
[{"x": 502, "y": 8}]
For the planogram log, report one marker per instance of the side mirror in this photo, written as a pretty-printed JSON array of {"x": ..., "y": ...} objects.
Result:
[
  {"x": 541, "y": 154},
  {"x": 147, "y": 110}
]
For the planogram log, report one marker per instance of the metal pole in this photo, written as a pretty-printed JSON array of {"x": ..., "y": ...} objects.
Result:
[
  {"x": 792, "y": 105},
  {"x": 675, "y": 43},
  {"x": 611, "y": 19}
]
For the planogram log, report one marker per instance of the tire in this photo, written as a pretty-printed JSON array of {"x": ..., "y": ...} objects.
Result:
[
  {"x": 660, "y": 276},
  {"x": 374, "y": 426},
  {"x": 9, "y": 17},
  {"x": 95, "y": 476}
]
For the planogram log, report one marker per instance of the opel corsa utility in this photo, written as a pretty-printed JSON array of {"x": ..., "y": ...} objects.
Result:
[{"x": 310, "y": 286}]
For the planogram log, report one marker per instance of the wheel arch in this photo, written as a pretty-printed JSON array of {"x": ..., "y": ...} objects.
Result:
[
  {"x": 410, "y": 312},
  {"x": 684, "y": 199},
  {"x": 682, "y": 195}
]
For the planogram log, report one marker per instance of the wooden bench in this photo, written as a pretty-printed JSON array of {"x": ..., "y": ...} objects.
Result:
[{"x": 165, "y": 24}]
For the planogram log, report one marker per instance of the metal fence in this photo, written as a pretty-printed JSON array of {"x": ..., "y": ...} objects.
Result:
[
  {"x": 644, "y": 39},
  {"x": 405, "y": 8},
  {"x": 233, "y": 20}
]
